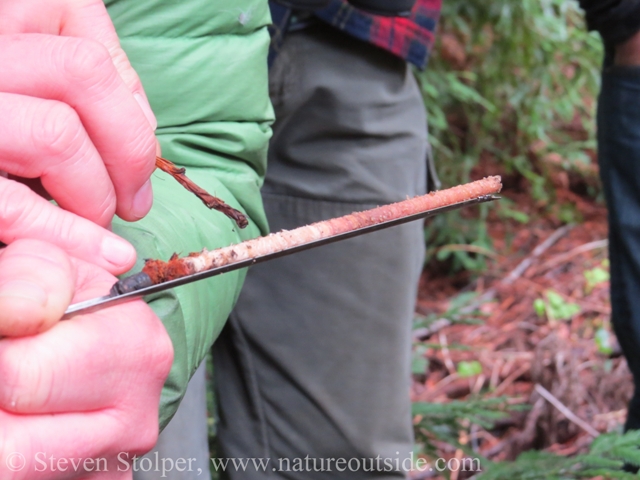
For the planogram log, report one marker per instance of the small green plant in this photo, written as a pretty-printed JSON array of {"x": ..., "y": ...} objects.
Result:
[
  {"x": 555, "y": 307},
  {"x": 419, "y": 363},
  {"x": 469, "y": 369},
  {"x": 603, "y": 340},
  {"x": 595, "y": 277}
]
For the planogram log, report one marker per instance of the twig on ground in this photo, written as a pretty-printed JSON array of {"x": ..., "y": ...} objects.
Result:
[
  {"x": 539, "y": 250},
  {"x": 490, "y": 294},
  {"x": 439, "y": 387},
  {"x": 510, "y": 379},
  {"x": 458, "y": 456},
  {"x": 453, "y": 247},
  {"x": 435, "y": 327},
  {"x": 209, "y": 200},
  {"x": 445, "y": 353},
  {"x": 564, "y": 257},
  {"x": 572, "y": 417}
]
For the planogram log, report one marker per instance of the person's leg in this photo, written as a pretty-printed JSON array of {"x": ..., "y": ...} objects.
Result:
[
  {"x": 314, "y": 363},
  {"x": 183, "y": 447},
  {"x": 619, "y": 158}
]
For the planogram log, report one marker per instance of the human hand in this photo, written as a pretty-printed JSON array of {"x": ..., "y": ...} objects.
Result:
[
  {"x": 628, "y": 53},
  {"x": 24, "y": 214},
  {"x": 74, "y": 111},
  {"x": 88, "y": 388}
]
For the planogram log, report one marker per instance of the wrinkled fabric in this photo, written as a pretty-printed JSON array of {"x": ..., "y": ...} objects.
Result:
[
  {"x": 315, "y": 359},
  {"x": 203, "y": 67}
]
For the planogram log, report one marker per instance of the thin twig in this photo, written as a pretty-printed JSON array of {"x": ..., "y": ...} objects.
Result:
[
  {"x": 564, "y": 257},
  {"x": 435, "y": 327},
  {"x": 572, "y": 417},
  {"x": 510, "y": 379},
  {"x": 490, "y": 294},
  {"x": 209, "y": 200},
  {"x": 539, "y": 250},
  {"x": 444, "y": 348},
  {"x": 455, "y": 247}
]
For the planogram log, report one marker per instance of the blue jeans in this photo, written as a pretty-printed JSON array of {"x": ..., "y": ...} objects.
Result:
[{"x": 619, "y": 158}]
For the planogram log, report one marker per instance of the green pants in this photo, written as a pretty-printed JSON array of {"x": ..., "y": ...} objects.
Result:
[{"x": 314, "y": 363}]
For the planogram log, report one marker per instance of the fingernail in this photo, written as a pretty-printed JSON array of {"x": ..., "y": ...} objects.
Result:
[
  {"x": 142, "y": 200},
  {"x": 25, "y": 290},
  {"x": 146, "y": 109},
  {"x": 117, "y": 252}
]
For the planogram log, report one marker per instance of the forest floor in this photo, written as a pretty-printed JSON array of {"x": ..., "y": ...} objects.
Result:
[{"x": 541, "y": 338}]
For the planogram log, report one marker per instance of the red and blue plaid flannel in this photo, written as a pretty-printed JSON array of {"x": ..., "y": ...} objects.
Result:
[{"x": 410, "y": 38}]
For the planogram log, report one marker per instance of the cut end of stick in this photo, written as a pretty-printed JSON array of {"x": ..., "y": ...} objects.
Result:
[{"x": 209, "y": 200}]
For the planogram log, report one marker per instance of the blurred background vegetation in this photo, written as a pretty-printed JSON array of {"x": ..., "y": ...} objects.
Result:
[
  {"x": 513, "y": 86},
  {"x": 511, "y": 89}
]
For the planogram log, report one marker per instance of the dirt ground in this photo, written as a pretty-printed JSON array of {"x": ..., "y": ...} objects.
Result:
[{"x": 545, "y": 339}]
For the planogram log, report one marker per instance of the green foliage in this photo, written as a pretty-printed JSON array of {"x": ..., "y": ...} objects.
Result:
[
  {"x": 469, "y": 369},
  {"x": 524, "y": 70},
  {"x": 540, "y": 307},
  {"x": 555, "y": 307},
  {"x": 461, "y": 310},
  {"x": 445, "y": 421},
  {"x": 607, "y": 457},
  {"x": 419, "y": 363},
  {"x": 604, "y": 342},
  {"x": 595, "y": 277}
]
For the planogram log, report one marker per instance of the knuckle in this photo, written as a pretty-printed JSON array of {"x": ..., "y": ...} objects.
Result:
[
  {"x": 57, "y": 129},
  {"x": 86, "y": 61},
  {"x": 148, "y": 436},
  {"x": 15, "y": 202},
  {"x": 143, "y": 418}
]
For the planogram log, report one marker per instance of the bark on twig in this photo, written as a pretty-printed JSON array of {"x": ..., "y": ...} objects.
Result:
[
  {"x": 209, "y": 200},
  {"x": 160, "y": 271}
]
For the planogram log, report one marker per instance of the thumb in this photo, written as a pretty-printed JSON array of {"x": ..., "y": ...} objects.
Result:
[
  {"x": 89, "y": 19},
  {"x": 37, "y": 280}
]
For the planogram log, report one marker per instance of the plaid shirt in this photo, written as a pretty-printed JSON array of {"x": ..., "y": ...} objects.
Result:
[{"x": 410, "y": 38}]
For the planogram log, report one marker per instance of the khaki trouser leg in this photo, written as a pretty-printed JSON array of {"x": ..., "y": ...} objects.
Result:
[{"x": 314, "y": 363}]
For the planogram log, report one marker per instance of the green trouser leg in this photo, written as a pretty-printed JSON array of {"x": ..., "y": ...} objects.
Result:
[{"x": 314, "y": 364}]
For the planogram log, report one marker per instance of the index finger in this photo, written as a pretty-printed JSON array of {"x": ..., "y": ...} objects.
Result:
[{"x": 81, "y": 74}]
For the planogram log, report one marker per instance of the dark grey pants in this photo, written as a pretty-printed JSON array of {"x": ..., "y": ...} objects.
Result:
[
  {"x": 315, "y": 360},
  {"x": 619, "y": 159}
]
